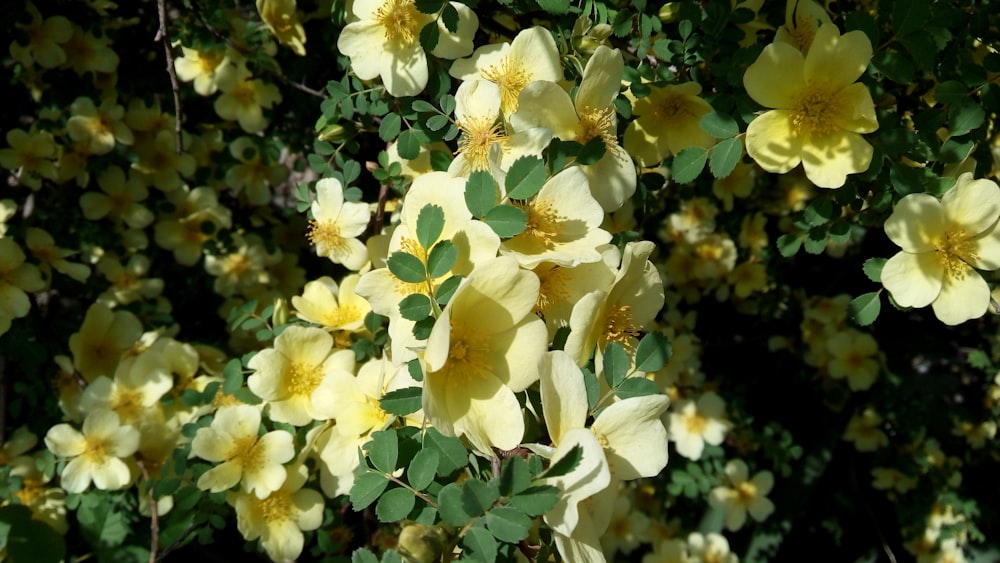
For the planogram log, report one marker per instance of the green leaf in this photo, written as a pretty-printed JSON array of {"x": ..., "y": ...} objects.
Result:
[
  {"x": 515, "y": 477},
  {"x": 415, "y": 307},
  {"x": 965, "y": 117},
  {"x": 429, "y": 36},
  {"x": 637, "y": 387},
  {"x": 593, "y": 387},
  {"x": 951, "y": 92},
  {"x": 395, "y": 504},
  {"x": 408, "y": 145},
  {"x": 35, "y": 542},
  {"x": 450, "y": 506},
  {"x": 525, "y": 177},
  {"x": 480, "y": 545},
  {"x": 873, "y": 268},
  {"x": 454, "y": 456},
  {"x": 478, "y": 496},
  {"x": 450, "y": 18},
  {"x": 407, "y": 267},
  {"x": 508, "y": 524},
  {"x": 591, "y": 152},
  {"x": 908, "y": 17},
  {"x": 815, "y": 241},
  {"x": 363, "y": 555},
  {"x": 422, "y": 468},
  {"x": 423, "y": 106},
  {"x": 383, "y": 450},
  {"x": 719, "y": 125},
  {"x": 232, "y": 377},
  {"x": 429, "y": 6},
  {"x": 447, "y": 289},
  {"x": 565, "y": 464},
  {"x": 367, "y": 487},
  {"x": 554, "y": 6},
  {"x": 725, "y": 156},
  {"x": 389, "y": 128},
  {"x": 653, "y": 352},
  {"x": 820, "y": 211},
  {"x": 536, "y": 500},
  {"x": 480, "y": 193},
  {"x": 439, "y": 121},
  {"x": 414, "y": 369},
  {"x": 402, "y": 402},
  {"x": 422, "y": 328},
  {"x": 430, "y": 222},
  {"x": 506, "y": 220},
  {"x": 101, "y": 521},
  {"x": 688, "y": 164},
  {"x": 615, "y": 363},
  {"x": 441, "y": 259},
  {"x": 864, "y": 309}
]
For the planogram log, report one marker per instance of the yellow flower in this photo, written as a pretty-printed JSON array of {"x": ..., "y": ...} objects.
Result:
[
  {"x": 244, "y": 269},
  {"x": 280, "y": 518},
  {"x": 383, "y": 40},
  {"x": 120, "y": 200},
  {"x": 86, "y": 52},
  {"x": 16, "y": 278},
  {"x": 668, "y": 121},
  {"x": 159, "y": 163},
  {"x": 335, "y": 307},
  {"x": 819, "y": 110},
  {"x": 201, "y": 67},
  {"x": 802, "y": 19},
  {"x": 31, "y": 156},
  {"x": 43, "y": 246},
  {"x": 483, "y": 348},
  {"x": 853, "y": 355},
  {"x": 244, "y": 99},
  {"x": 45, "y": 39},
  {"x": 256, "y": 174},
  {"x": 747, "y": 495},
  {"x": 102, "y": 339},
  {"x": 532, "y": 55},
  {"x": 336, "y": 224},
  {"x": 98, "y": 129},
  {"x": 943, "y": 243},
  {"x": 865, "y": 431},
  {"x": 281, "y": 19},
  {"x": 696, "y": 423},
  {"x": 197, "y": 214},
  {"x": 254, "y": 461},
  {"x": 287, "y": 375},
  {"x": 94, "y": 455}
]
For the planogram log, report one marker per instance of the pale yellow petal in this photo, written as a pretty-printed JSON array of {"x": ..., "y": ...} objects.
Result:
[
  {"x": 964, "y": 295},
  {"x": 917, "y": 221},
  {"x": 914, "y": 280},
  {"x": 776, "y": 77},
  {"x": 564, "y": 395},
  {"x": 837, "y": 60},
  {"x": 828, "y": 160},
  {"x": 972, "y": 205},
  {"x": 773, "y": 142}
]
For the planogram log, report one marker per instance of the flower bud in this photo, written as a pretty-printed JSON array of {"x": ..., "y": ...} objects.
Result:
[
  {"x": 669, "y": 12},
  {"x": 280, "y": 314},
  {"x": 419, "y": 543}
]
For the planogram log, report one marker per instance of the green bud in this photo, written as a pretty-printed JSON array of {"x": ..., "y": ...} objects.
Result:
[
  {"x": 669, "y": 12},
  {"x": 419, "y": 543}
]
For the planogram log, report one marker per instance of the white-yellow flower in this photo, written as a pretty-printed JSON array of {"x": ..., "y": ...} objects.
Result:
[
  {"x": 336, "y": 224},
  {"x": 96, "y": 453},
  {"x": 747, "y": 495},
  {"x": 943, "y": 243},
  {"x": 332, "y": 305},
  {"x": 483, "y": 348},
  {"x": 384, "y": 41},
  {"x": 255, "y": 462},
  {"x": 695, "y": 423}
]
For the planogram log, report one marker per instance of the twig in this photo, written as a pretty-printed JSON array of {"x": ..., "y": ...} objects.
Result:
[
  {"x": 378, "y": 219},
  {"x": 3, "y": 401},
  {"x": 162, "y": 35},
  {"x": 154, "y": 522}
]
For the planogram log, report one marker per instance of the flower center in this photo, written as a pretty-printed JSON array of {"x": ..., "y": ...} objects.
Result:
[
  {"x": 956, "y": 253},
  {"x": 468, "y": 355},
  {"x": 511, "y": 76},
  {"x": 303, "y": 379},
  {"x": 813, "y": 112},
  {"x": 597, "y": 123},
  {"x": 277, "y": 507},
  {"x": 746, "y": 491},
  {"x": 620, "y": 326},
  {"x": 97, "y": 450},
  {"x": 245, "y": 94},
  {"x": 244, "y": 449},
  {"x": 543, "y": 223},
  {"x": 695, "y": 423},
  {"x": 552, "y": 289},
  {"x": 399, "y": 20},
  {"x": 326, "y": 237},
  {"x": 478, "y": 135},
  {"x": 128, "y": 404}
]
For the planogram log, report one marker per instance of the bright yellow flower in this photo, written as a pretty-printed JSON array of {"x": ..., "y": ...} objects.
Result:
[
  {"x": 102, "y": 339},
  {"x": 244, "y": 99},
  {"x": 98, "y": 129},
  {"x": 819, "y": 110},
  {"x": 943, "y": 243},
  {"x": 334, "y": 306},
  {"x": 16, "y": 278},
  {"x": 336, "y": 224},
  {"x": 802, "y": 19},
  {"x": 696, "y": 423},
  {"x": 746, "y": 495},
  {"x": 95, "y": 455},
  {"x": 667, "y": 121},
  {"x": 201, "y": 67}
]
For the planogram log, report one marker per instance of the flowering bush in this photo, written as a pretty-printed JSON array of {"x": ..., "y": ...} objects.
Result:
[{"x": 397, "y": 280}]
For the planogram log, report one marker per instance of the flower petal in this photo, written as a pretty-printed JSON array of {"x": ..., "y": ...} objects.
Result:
[
  {"x": 837, "y": 60},
  {"x": 972, "y": 205},
  {"x": 914, "y": 280},
  {"x": 773, "y": 142},
  {"x": 776, "y": 77},
  {"x": 916, "y": 222},
  {"x": 828, "y": 160},
  {"x": 963, "y": 296}
]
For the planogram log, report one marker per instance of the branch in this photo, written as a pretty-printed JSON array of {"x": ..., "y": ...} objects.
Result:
[
  {"x": 154, "y": 522},
  {"x": 162, "y": 35}
]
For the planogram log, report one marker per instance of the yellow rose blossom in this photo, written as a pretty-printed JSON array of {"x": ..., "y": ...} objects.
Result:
[
  {"x": 281, "y": 18},
  {"x": 383, "y": 40},
  {"x": 820, "y": 111},
  {"x": 159, "y": 163},
  {"x": 86, "y": 52},
  {"x": 31, "y": 156},
  {"x": 255, "y": 462},
  {"x": 46, "y": 38},
  {"x": 98, "y": 129},
  {"x": 803, "y": 19},
  {"x": 854, "y": 356},
  {"x": 333, "y": 306},
  {"x": 255, "y": 175},
  {"x": 483, "y": 348},
  {"x": 746, "y": 495},
  {"x": 201, "y": 67},
  {"x": 244, "y": 269},
  {"x": 119, "y": 199},
  {"x": 102, "y": 339},
  {"x": 667, "y": 121},
  {"x": 44, "y": 248},
  {"x": 244, "y": 99},
  {"x": 864, "y": 429},
  {"x": 694, "y": 423},
  {"x": 16, "y": 278},
  {"x": 187, "y": 229},
  {"x": 336, "y": 224},
  {"x": 944, "y": 242},
  {"x": 95, "y": 455}
]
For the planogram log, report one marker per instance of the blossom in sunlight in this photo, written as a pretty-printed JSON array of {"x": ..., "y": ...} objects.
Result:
[
  {"x": 280, "y": 518},
  {"x": 563, "y": 224},
  {"x": 232, "y": 439},
  {"x": 95, "y": 455},
  {"x": 746, "y": 495},
  {"x": 332, "y": 305},
  {"x": 667, "y": 121},
  {"x": 483, "y": 348},
  {"x": 201, "y": 68},
  {"x": 943, "y": 243},
  {"x": 97, "y": 129},
  {"x": 286, "y": 375},
  {"x": 820, "y": 111},
  {"x": 336, "y": 224},
  {"x": 280, "y": 17},
  {"x": 802, "y": 20},
  {"x": 865, "y": 430},
  {"x": 532, "y": 55},
  {"x": 119, "y": 199},
  {"x": 612, "y": 179},
  {"x": 44, "y": 248},
  {"x": 710, "y": 548},
  {"x": 694, "y": 423},
  {"x": 562, "y": 287},
  {"x": 483, "y": 136},
  {"x": 17, "y": 277},
  {"x": 383, "y": 40},
  {"x": 244, "y": 99},
  {"x": 102, "y": 339}
]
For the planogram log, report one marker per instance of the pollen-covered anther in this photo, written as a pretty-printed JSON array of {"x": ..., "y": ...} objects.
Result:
[{"x": 399, "y": 20}]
